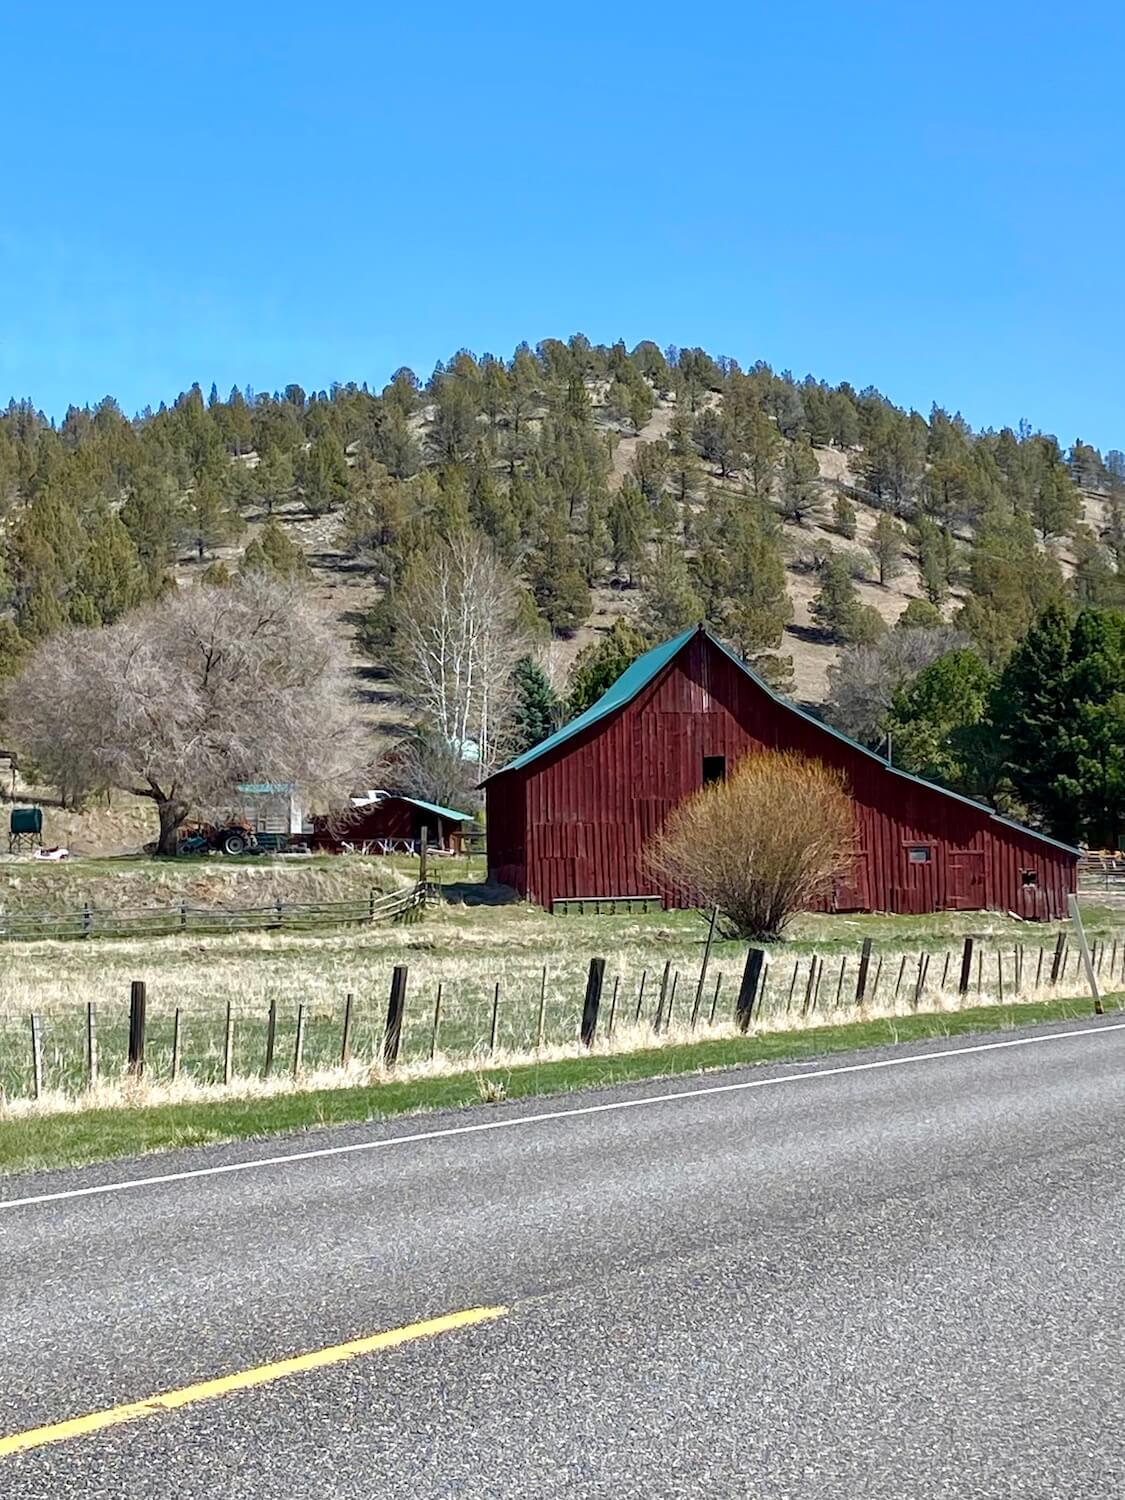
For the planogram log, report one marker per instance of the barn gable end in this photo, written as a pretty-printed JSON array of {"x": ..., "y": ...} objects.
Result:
[{"x": 570, "y": 817}]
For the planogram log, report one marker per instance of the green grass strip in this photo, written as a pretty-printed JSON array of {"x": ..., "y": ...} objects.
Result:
[{"x": 78, "y": 1138}]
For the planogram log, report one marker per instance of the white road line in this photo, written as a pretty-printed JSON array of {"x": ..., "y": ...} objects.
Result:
[{"x": 520, "y": 1121}]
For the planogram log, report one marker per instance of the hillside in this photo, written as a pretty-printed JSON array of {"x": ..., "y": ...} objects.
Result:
[{"x": 655, "y": 488}]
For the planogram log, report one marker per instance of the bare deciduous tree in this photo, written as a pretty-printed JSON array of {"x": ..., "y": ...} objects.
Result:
[
  {"x": 863, "y": 680},
  {"x": 458, "y": 637},
  {"x": 188, "y": 697},
  {"x": 762, "y": 845}
]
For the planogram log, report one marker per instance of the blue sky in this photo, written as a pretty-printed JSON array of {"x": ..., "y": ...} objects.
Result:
[{"x": 925, "y": 199}]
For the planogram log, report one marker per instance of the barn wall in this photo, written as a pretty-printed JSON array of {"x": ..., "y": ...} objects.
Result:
[{"x": 575, "y": 823}]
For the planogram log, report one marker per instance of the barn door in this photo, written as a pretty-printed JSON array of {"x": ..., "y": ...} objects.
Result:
[{"x": 964, "y": 880}]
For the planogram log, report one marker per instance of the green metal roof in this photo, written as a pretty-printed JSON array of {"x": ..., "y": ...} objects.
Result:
[
  {"x": 645, "y": 669},
  {"x": 442, "y": 812}
]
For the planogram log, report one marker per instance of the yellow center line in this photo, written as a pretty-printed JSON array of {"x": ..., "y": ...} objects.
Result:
[{"x": 244, "y": 1380}]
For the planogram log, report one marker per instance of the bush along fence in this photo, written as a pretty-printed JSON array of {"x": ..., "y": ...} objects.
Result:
[
  {"x": 164, "y": 921},
  {"x": 72, "y": 1048}
]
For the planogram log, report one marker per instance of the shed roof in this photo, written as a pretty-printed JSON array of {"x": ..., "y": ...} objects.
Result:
[
  {"x": 646, "y": 668},
  {"x": 431, "y": 807}
]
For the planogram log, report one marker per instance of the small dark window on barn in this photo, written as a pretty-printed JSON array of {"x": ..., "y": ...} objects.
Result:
[
  {"x": 714, "y": 769},
  {"x": 1029, "y": 877},
  {"x": 918, "y": 854}
]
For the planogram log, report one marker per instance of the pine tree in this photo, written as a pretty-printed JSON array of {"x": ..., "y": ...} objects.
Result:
[
  {"x": 273, "y": 551},
  {"x": 888, "y": 538},
  {"x": 537, "y": 708},
  {"x": 837, "y": 608},
  {"x": 322, "y": 474},
  {"x": 800, "y": 483},
  {"x": 844, "y": 517},
  {"x": 1031, "y": 710},
  {"x": 671, "y": 603},
  {"x": 599, "y": 665},
  {"x": 628, "y": 527}
]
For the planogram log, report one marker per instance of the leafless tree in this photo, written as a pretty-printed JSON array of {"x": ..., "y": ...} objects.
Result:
[
  {"x": 458, "y": 636},
  {"x": 188, "y": 697},
  {"x": 863, "y": 680},
  {"x": 762, "y": 845}
]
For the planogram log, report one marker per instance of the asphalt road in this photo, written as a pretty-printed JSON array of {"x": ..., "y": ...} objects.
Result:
[{"x": 896, "y": 1281}]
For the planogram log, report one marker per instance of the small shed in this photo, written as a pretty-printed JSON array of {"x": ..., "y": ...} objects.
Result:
[
  {"x": 570, "y": 818},
  {"x": 384, "y": 822}
]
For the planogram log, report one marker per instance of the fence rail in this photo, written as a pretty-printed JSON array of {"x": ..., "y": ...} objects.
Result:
[{"x": 164, "y": 921}]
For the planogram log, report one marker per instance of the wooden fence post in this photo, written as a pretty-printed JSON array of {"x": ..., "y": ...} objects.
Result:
[
  {"x": 228, "y": 1047},
  {"x": 87, "y": 919},
  {"x": 299, "y": 1041},
  {"x": 183, "y": 914},
  {"x": 423, "y": 844},
  {"x": 748, "y": 989},
  {"x": 396, "y": 1008},
  {"x": 346, "y": 1035},
  {"x": 271, "y": 1038},
  {"x": 1059, "y": 957},
  {"x": 966, "y": 967},
  {"x": 91, "y": 1045},
  {"x": 437, "y": 1022},
  {"x": 923, "y": 970},
  {"x": 595, "y": 978},
  {"x": 176, "y": 1044},
  {"x": 371, "y": 904},
  {"x": 864, "y": 966},
  {"x": 137, "y": 1002},
  {"x": 37, "y": 1055}
]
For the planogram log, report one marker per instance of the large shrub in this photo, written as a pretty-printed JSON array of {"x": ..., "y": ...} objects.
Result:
[{"x": 761, "y": 845}]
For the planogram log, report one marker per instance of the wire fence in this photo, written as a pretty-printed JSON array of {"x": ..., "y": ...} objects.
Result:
[{"x": 68, "y": 1048}]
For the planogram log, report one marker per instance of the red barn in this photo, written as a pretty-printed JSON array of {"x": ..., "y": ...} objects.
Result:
[
  {"x": 570, "y": 817},
  {"x": 391, "y": 823}
]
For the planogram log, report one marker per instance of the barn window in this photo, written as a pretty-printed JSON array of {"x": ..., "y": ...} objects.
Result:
[
  {"x": 714, "y": 769},
  {"x": 1029, "y": 877},
  {"x": 919, "y": 854}
]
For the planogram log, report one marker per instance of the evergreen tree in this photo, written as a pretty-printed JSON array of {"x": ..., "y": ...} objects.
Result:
[
  {"x": 888, "y": 541},
  {"x": 931, "y": 713},
  {"x": 322, "y": 474},
  {"x": 274, "y": 551},
  {"x": 843, "y": 516},
  {"x": 837, "y": 608},
  {"x": 800, "y": 483},
  {"x": 1030, "y": 712},
  {"x": 537, "y": 709},
  {"x": 919, "y": 614},
  {"x": 671, "y": 603},
  {"x": 628, "y": 527},
  {"x": 599, "y": 665}
]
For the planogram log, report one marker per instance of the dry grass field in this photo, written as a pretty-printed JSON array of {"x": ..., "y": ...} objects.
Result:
[{"x": 513, "y": 960}]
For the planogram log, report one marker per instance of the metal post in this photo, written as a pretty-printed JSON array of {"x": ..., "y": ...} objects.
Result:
[
  {"x": 228, "y": 1046},
  {"x": 437, "y": 1023},
  {"x": 703, "y": 966},
  {"x": 271, "y": 1038},
  {"x": 176, "y": 1044},
  {"x": 37, "y": 1055},
  {"x": 299, "y": 1041},
  {"x": 91, "y": 1045},
  {"x": 346, "y": 1036},
  {"x": 495, "y": 1018}
]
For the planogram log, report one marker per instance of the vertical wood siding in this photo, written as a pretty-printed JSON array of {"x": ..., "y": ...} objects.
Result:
[{"x": 575, "y": 822}]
